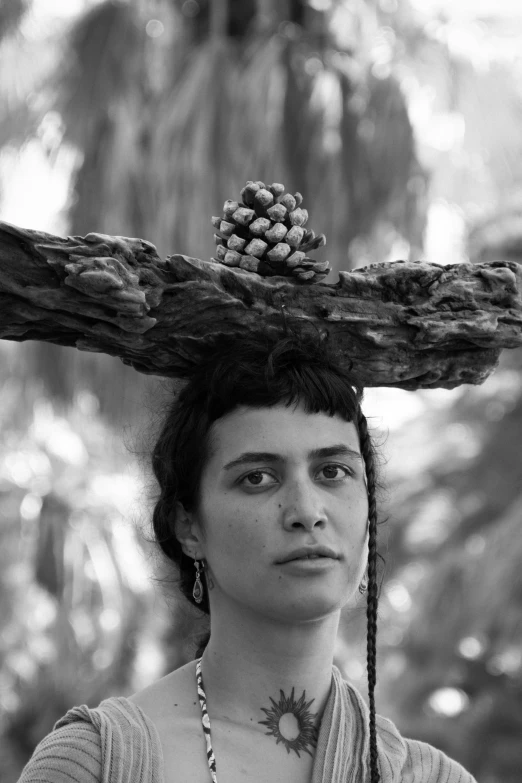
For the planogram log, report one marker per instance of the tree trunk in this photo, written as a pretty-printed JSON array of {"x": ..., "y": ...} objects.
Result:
[{"x": 403, "y": 324}]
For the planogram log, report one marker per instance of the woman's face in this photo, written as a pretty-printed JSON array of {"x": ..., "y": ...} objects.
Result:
[{"x": 257, "y": 509}]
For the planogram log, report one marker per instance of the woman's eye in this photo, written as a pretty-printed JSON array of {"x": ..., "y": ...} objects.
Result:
[
  {"x": 256, "y": 473},
  {"x": 347, "y": 472}
]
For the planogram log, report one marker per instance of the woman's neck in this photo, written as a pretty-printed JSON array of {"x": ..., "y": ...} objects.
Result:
[{"x": 251, "y": 663}]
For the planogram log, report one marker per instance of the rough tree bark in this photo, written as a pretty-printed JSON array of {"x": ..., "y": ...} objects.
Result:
[{"x": 402, "y": 324}]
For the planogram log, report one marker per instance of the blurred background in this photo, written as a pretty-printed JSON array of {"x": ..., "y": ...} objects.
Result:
[{"x": 399, "y": 122}]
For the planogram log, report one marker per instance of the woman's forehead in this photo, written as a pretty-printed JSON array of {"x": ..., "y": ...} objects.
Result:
[{"x": 287, "y": 428}]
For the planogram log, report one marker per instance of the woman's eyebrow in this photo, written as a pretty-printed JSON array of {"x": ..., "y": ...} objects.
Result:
[{"x": 267, "y": 456}]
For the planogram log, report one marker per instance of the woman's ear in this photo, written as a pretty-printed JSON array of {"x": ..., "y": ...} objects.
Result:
[{"x": 186, "y": 530}]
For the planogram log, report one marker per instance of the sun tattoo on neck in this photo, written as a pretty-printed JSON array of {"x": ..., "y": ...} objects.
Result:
[{"x": 291, "y": 723}]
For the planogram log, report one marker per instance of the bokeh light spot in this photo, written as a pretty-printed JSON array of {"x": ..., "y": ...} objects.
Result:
[
  {"x": 448, "y": 701},
  {"x": 471, "y": 648},
  {"x": 154, "y": 28},
  {"x": 190, "y": 8}
]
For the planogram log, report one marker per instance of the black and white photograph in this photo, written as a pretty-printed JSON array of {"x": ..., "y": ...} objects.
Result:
[{"x": 260, "y": 391}]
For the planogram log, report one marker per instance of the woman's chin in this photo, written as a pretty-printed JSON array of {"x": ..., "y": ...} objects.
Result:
[{"x": 303, "y": 609}]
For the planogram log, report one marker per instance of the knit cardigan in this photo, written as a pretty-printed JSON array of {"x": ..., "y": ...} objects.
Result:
[{"x": 118, "y": 743}]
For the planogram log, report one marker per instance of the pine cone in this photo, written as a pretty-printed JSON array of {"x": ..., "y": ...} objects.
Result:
[{"x": 265, "y": 233}]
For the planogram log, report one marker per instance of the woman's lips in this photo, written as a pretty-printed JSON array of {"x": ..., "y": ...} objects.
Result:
[{"x": 306, "y": 564}]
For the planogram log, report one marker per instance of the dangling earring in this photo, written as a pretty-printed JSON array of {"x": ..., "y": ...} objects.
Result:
[
  {"x": 197, "y": 592},
  {"x": 364, "y": 585}
]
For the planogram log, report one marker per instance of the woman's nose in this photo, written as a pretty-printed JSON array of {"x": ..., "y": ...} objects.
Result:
[{"x": 303, "y": 506}]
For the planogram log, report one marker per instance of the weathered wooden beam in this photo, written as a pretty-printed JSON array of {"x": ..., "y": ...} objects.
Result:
[{"x": 403, "y": 324}]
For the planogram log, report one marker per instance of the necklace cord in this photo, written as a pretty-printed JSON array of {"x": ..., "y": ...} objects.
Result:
[{"x": 205, "y": 720}]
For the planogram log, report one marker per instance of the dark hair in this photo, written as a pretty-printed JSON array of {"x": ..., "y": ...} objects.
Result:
[{"x": 259, "y": 370}]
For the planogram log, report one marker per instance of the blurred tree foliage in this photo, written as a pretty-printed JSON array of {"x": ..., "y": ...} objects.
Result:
[
  {"x": 452, "y": 607},
  {"x": 453, "y": 666},
  {"x": 171, "y": 107},
  {"x": 79, "y": 620}
]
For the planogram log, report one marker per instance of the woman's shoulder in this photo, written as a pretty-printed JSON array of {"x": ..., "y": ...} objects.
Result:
[
  {"x": 172, "y": 705},
  {"x": 419, "y": 761},
  {"x": 404, "y": 759},
  {"x": 169, "y": 697},
  {"x": 71, "y": 753},
  {"x": 86, "y": 741}
]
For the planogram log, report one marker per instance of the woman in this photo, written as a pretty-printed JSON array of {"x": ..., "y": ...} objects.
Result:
[{"x": 267, "y": 507}]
